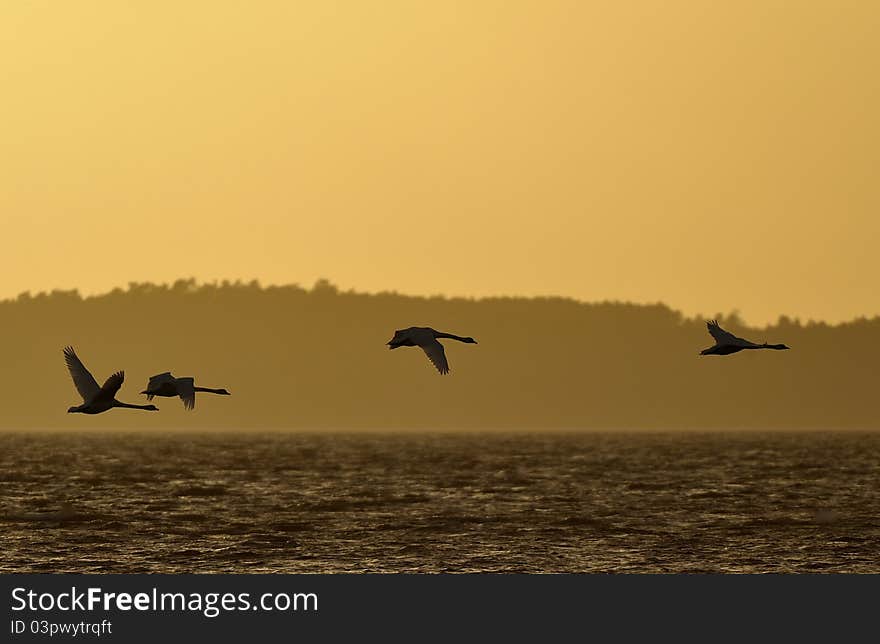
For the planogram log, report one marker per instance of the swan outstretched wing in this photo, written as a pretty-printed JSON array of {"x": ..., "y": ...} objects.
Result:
[
  {"x": 84, "y": 381},
  {"x": 112, "y": 384},
  {"x": 187, "y": 392},
  {"x": 159, "y": 379},
  {"x": 156, "y": 383},
  {"x": 436, "y": 354},
  {"x": 721, "y": 336}
]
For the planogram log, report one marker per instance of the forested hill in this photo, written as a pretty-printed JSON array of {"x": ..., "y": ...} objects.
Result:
[{"x": 316, "y": 359}]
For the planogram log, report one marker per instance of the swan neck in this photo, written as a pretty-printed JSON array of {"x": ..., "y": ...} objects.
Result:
[
  {"x": 451, "y": 336},
  {"x": 130, "y": 406}
]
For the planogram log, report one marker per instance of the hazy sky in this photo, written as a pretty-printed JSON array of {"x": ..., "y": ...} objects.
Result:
[{"x": 714, "y": 156}]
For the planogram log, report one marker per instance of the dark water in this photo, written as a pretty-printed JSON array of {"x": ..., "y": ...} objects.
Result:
[{"x": 437, "y": 503}]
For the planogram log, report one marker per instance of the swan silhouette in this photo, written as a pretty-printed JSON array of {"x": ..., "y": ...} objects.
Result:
[
  {"x": 727, "y": 343},
  {"x": 426, "y": 338},
  {"x": 164, "y": 384},
  {"x": 96, "y": 399}
]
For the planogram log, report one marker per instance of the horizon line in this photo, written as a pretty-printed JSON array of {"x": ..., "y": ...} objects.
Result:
[{"x": 192, "y": 284}]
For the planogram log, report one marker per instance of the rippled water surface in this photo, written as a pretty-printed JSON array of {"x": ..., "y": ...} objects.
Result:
[{"x": 440, "y": 503}]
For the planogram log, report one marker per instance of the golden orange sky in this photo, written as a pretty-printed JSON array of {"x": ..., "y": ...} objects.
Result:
[{"x": 714, "y": 156}]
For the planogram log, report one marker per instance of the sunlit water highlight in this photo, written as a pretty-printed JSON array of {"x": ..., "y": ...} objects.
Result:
[{"x": 791, "y": 502}]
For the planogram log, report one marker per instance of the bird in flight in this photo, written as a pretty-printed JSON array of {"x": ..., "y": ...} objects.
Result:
[
  {"x": 727, "y": 343},
  {"x": 426, "y": 338},
  {"x": 164, "y": 384},
  {"x": 96, "y": 399}
]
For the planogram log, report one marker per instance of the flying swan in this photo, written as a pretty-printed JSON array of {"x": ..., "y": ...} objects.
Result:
[
  {"x": 426, "y": 338},
  {"x": 727, "y": 343},
  {"x": 164, "y": 384},
  {"x": 96, "y": 399}
]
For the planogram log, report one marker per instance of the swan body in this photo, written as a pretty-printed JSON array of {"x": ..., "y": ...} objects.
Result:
[
  {"x": 166, "y": 385},
  {"x": 727, "y": 343},
  {"x": 96, "y": 399},
  {"x": 426, "y": 338}
]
